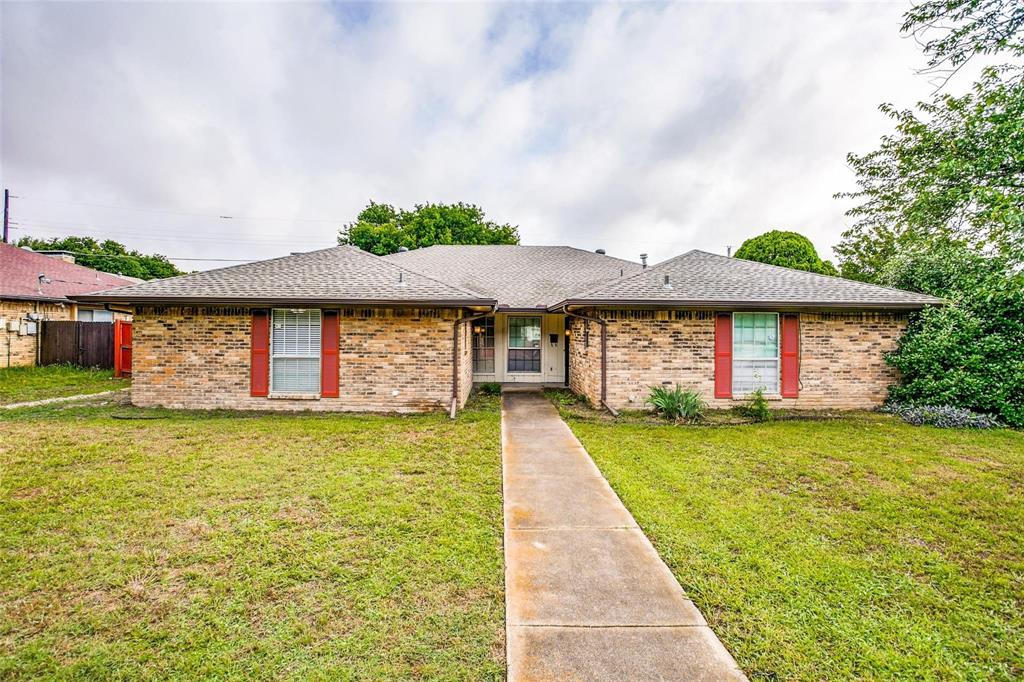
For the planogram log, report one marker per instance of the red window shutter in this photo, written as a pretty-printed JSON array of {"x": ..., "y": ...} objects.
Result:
[
  {"x": 329, "y": 342},
  {"x": 259, "y": 366},
  {"x": 723, "y": 355},
  {"x": 790, "y": 346}
]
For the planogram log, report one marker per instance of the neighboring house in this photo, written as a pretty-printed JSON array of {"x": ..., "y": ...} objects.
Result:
[
  {"x": 341, "y": 329},
  {"x": 36, "y": 287}
]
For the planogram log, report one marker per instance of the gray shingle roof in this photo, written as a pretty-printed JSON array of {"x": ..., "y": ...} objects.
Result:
[
  {"x": 340, "y": 274},
  {"x": 524, "y": 277},
  {"x": 702, "y": 278}
]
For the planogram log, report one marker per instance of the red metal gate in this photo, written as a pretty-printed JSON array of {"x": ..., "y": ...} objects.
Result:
[{"x": 122, "y": 348}]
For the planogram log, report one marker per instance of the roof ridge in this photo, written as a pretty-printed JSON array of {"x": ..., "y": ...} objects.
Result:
[
  {"x": 814, "y": 274},
  {"x": 595, "y": 253},
  {"x": 475, "y": 294},
  {"x": 635, "y": 274}
]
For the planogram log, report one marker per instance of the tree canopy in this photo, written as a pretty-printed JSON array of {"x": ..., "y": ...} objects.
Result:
[
  {"x": 952, "y": 170},
  {"x": 382, "y": 229},
  {"x": 786, "y": 249},
  {"x": 107, "y": 256}
]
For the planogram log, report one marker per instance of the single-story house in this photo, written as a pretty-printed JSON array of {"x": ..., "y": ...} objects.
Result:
[
  {"x": 342, "y": 329},
  {"x": 38, "y": 286}
]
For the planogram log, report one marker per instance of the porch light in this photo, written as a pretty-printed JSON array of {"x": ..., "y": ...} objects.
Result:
[{"x": 568, "y": 332}]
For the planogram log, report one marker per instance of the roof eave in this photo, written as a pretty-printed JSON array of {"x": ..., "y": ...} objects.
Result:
[
  {"x": 744, "y": 305},
  {"x": 40, "y": 299},
  {"x": 284, "y": 301}
]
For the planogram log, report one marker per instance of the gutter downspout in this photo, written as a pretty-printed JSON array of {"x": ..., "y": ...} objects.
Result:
[
  {"x": 604, "y": 356},
  {"x": 455, "y": 356}
]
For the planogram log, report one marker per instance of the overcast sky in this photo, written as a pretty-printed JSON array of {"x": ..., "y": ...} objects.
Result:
[{"x": 638, "y": 128}]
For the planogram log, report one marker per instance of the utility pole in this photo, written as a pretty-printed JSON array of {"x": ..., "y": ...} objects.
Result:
[{"x": 7, "y": 215}]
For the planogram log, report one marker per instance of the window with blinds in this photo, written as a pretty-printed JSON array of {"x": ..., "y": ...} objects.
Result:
[
  {"x": 755, "y": 353},
  {"x": 295, "y": 351}
]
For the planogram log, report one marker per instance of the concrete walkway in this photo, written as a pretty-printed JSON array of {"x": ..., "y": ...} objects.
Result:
[{"x": 587, "y": 596}]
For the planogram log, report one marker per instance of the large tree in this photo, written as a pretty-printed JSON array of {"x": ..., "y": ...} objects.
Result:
[
  {"x": 383, "y": 229},
  {"x": 107, "y": 256},
  {"x": 953, "y": 169},
  {"x": 787, "y": 249}
]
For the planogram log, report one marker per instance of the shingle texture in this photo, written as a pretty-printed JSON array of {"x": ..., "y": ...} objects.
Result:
[
  {"x": 20, "y": 270},
  {"x": 701, "y": 277},
  {"x": 341, "y": 273},
  {"x": 518, "y": 276}
]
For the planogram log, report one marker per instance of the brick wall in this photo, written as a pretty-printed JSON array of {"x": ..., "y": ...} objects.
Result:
[
  {"x": 585, "y": 359},
  {"x": 18, "y": 350},
  {"x": 465, "y": 361},
  {"x": 198, "y": 358},
  {"x": 842, "y": 357}
]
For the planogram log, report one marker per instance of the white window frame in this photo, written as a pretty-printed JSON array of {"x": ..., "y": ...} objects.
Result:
[
  {"x": 772, "y": 391},
  {"x": 510, "y": 347},
  {"x": 317, "y": 356}
]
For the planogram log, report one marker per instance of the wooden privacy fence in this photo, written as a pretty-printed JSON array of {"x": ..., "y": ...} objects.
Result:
[{"x": 88, "y": 344}]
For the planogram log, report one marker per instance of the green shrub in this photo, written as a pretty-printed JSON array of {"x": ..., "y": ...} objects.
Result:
[
  {"x": 676, "y": 403},
  {"x": 489, "y": 388},
  {"x": 757, "y": 407},
  {"x": 968, "y": 353}
]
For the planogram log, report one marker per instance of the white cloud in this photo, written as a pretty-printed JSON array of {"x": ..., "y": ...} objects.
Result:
[{"x": 637, "y": 128}]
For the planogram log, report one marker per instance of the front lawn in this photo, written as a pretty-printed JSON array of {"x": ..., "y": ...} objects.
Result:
[
  {"x": 239, "y": 546},
  {"x": 858, "y": 548},
  {"x": 24, "y": 384}
]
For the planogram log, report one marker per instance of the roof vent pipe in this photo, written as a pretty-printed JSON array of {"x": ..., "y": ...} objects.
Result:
[
  {"x": 600, "y": 251},
  {"x": 667, "y": 284},
  {"x": 643, "y": 260}
]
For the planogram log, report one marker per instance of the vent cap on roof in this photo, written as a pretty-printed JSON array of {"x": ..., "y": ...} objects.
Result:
[
  {"x": 403, "y": 249},
  {"x": 600, "y": 251}
]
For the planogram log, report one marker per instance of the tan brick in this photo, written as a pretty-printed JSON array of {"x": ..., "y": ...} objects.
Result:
[
  {"x": 842, "y": 357},
  {"x": 199, "y": 358}
]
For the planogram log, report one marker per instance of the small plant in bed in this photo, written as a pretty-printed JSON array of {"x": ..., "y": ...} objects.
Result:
[
  {"x": 490, "y": 388},
  {"x": 756, "y": 408},
  {"x": 676, "y": 403},
  {"x": 942, "y": 416}
]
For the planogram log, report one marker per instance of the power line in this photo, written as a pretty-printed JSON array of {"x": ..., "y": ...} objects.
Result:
[
  {"x": 129, "y": 232},
  {"x": 218, "y": 216},
  {"x": 128, "y": 255}
]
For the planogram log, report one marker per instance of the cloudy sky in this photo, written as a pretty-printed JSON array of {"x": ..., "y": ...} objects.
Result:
[{"x": 637, "y": 128}]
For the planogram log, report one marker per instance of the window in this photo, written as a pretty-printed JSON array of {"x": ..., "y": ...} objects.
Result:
[
  {"x": 295, "y": 351},
  {"x": 524, "y": 344},
  {"x": 92, "y": 315},
  {"x": 755, "y": 353},
  {"x": 483, "y": 346}
]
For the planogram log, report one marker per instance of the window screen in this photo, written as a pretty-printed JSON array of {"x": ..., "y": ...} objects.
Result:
[
  {"x": 755, "y": 353},
  {"x": 483, "y": 346},
  {"x": 524, "y": 344},
  {"x": 295, "y": 351}
]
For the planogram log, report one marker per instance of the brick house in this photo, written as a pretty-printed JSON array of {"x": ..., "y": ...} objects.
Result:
[
  {"x": 341, "y": 329},
  {"x": 36, "y": 287}
]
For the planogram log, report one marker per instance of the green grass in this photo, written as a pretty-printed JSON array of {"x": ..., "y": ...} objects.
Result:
[
  {"x": 225, "y": 545},
  {"x": 23, "y": 384},
  {"x": 860, "y": 548}
]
